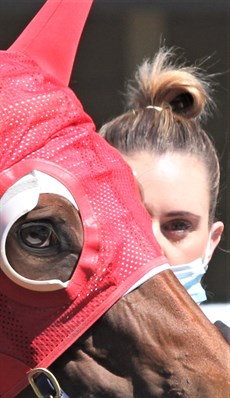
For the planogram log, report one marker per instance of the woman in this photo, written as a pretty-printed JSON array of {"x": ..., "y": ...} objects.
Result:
[{"x": 174, "y": 162}]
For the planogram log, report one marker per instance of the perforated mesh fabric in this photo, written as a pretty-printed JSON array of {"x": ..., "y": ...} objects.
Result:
[{"x": 44, "y": 127}]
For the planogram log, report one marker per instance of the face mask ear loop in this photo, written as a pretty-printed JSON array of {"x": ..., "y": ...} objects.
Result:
[{"x": 207, "y": 255}]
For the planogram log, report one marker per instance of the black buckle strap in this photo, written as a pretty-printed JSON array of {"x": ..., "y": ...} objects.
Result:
[{"x": 44, "y": 384}]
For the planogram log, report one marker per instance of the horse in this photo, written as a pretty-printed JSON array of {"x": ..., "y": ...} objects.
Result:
[
  {"x": 154, "y": 342},
  {"x": 84, "y": 288}
]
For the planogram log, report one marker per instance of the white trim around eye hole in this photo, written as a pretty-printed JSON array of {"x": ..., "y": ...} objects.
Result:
[{"x": 18, "y": 200}]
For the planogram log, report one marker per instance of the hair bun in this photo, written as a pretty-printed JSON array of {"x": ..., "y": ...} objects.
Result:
[
  {"x": 183, "y": 92},
  {"x": 161, "y": 83}
]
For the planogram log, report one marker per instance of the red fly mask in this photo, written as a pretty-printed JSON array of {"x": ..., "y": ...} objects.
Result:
[{"x": 49, "y": 144}]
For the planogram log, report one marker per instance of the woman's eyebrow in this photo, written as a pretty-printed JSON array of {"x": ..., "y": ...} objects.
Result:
[
  {"x": 181, "y": 213},
  {"x": 176, "y": 213}
]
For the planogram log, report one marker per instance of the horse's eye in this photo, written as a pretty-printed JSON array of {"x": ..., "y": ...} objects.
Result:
[{"x": 38, "y": 235}]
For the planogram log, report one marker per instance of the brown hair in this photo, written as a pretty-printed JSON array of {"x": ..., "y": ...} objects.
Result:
[{"x": 166, "y": 104}]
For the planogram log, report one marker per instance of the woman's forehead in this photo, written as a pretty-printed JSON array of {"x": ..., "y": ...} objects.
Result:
[{"x": 176, "y": 181}]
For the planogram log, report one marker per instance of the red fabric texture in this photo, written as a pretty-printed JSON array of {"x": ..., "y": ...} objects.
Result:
[{"x": 44, "y": 127}]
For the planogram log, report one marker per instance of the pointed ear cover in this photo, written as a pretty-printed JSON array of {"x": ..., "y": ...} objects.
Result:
[
  {"x": 52, "y": 37},
  {"x": 44, "y": 127}
]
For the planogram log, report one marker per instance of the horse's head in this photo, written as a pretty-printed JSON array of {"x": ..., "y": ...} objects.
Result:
[
  {"x": 134, "y": 349},
  {"x": 75, "y": 238},
  {"x": 74, "y": 235},
  {"x": 142, "y": 345}
]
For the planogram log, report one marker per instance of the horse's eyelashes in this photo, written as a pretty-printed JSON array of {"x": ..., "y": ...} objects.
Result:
[{"x": 38, "y": 235}]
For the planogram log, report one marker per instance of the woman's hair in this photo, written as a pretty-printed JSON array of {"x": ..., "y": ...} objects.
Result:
[{"x": 165, "y": 106}]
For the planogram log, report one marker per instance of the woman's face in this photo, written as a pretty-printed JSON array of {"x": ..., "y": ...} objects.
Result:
[{"x": 175, "y": 192}]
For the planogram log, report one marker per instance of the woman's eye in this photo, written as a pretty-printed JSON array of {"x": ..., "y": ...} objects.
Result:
[
  {"x": 176, "y": 229},
  {"x": 37, "y": 235},
  {"x": 177, "y": 225}
]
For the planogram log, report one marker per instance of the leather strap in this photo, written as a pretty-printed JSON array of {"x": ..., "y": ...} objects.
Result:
[{"x": 44, "y": 384}]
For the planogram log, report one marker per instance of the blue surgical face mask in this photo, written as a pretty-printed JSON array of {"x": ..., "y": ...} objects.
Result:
[{"x": 190, "y": 275}]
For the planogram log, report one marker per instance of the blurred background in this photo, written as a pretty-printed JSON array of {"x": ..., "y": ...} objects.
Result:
[{"x": 118, "y": 35}]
